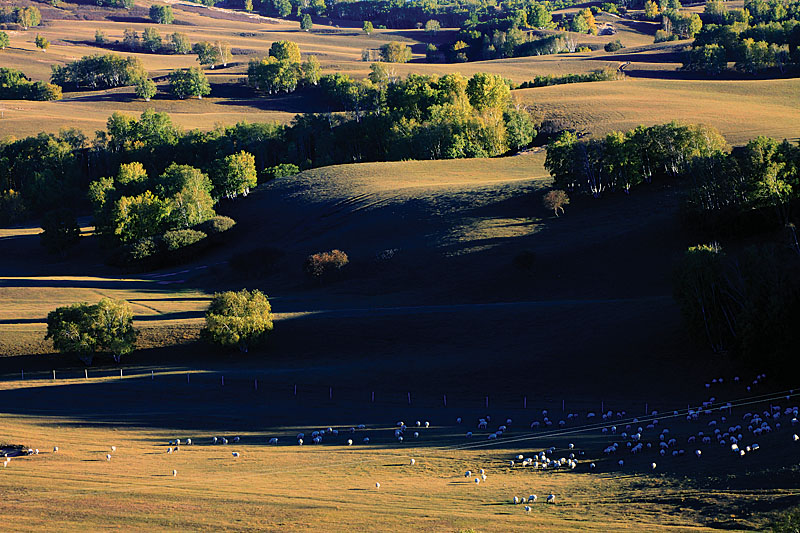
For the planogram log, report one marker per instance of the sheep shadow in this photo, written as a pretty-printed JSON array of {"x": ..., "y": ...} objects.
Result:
[{"x": 398, "y": 464}]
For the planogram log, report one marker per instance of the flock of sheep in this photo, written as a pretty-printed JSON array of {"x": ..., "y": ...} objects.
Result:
[{"x": 711, "y": 426}]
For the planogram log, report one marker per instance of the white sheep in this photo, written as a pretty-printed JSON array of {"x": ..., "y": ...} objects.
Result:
[
  {"x": 532, "y": 498},
  {"x": 113, "y": 448},
  {"x": 477, "y": 480},
  {"x": 174, "y": 473},
  {"x": 235, "y": 454},
  {"x": 214, "y": 440},
  {"x": 468, "y": 473},
  {"x": 592, "y": 466},
  {"x": 224, "y": 440},
  {"x": 413, "y": 461},
  {"x": 299, "y": 442},
  {"x": 377, "y": 485},
  {"x": 527, "y": 509},
  {"x": 169, "y": 450},
  {"x": 515, "y": 500},
  {"x": 188, "y": 442},
  {"x": 235, "y": 439},
  {"x": 483, "y": 477},
  {"x": 551, "y": 499},
  {"x": 795, "y": 437},
  {"x": 366, "y": 440},
  {"x": 349, "y": 442},
  {"x": 427, "y": 424},
  {"x": 416, "y": 435},
  {"x": 653, "y": 466},
  {"x": 108, "y": 457},
  {"x": 55, "y": 449},
  {"x": 273, "y": 440}
]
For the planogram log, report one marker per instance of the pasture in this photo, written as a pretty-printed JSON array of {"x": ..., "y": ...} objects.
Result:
[{"x": 332, "y": 485}]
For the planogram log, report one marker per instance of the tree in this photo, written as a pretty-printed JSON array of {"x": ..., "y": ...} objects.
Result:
[
  {"x": 488, "y": 91},
  {"x": 189, "y": 189},
  {"x": 311, "y": 70},
  {"x": 367, "y": 27},
  {"x": 151, "y": 40},
  {"x": 285, "y": 51},
  {"x": 98, "y": 72},
  {"x": 556, "y": 200},
  {"x": 4, "y": 40},
  {"x": 613, "y": 46},
  {"x": 131, "y": 39},
  {"x": 282, "y": 7},
  {"x": 395, "y": 52},
  {"x": 27, "y": 16},
  {"x": 42, "y": 43},
  {"x": 540, "y": 17},
  {"x": 207, "y": 53},
  {"x": 132, "y": 175},
  {"x": 189, "y": 82},
  {"x": 61, "y": 231},
  {"x": 432, "y": 26},
  {"x": 235, "y": 174},
  {"x": 241, "y": 319},
  {"x": 146, "y": 89},
  {"x": 161, "y": 14},
  {"x": 305, "y": 23},
  {"x": 179, "y": 43},
  {"x": 100, "y": 37},
  {"x": 86, "y": 330},
  {"x": 651, "y": 10},
  {"x": 138, "y": 217},
  {"x": 223, "y": 52}
]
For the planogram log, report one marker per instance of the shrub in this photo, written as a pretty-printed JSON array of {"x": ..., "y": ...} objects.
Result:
[
  {"x": 180, "y": 238},
  {"x": 141, "y": 249},
  {"x": 215, "y": 225},
  {"x": 280, "y": 171},
  {"x": 613, "y": 46},
  {"x": 324, "y": 262},
  {"x": 556, "y": 200}
]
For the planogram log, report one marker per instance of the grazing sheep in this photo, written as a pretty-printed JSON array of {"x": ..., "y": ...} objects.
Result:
[
  {"x": 113, "y": 448},
  {"x": 108, "y": 457},
  {"x": 169, "y": 450},
  {"x": 477, "y": 480},
  {"x": 377, "y": 485},
  {"x": 224, "y": 440},
  {"x": 349, "y": 442},
  {"x": 483, "y": 477},
  {"x": 468, "y": 473},
  {"x": 214, "y": 440},
  {"x": 551, "y": 499},
  {"x": 527, "y": 509},
  {"x": 698, "y": 453},
  {"x": 592, "y": 466},
  {"x": 458, "y": 420},
  {"x": 273, "y": 440},
  {"x": 653, "y": 466},
  {"x": 416, "y": 435},
  {"x": 235, "y": 454},
  {"x": 55, "y": 449},
  {"x": 621, "y": 462},
  {"x": 299, "y": 442},
  {"x": 469, "y": 434},
  {"x": 515, "y": 500},
  {"x": 795, "y": 437},
  {"x": 366, "y": 440},
  {"x": 532, "y": 498},
  {"x": 174, "y": 473},
  {"x": 235, "y": 439},
  {"x": 413, "y": 462},
  {"x": 427, "y": 424},
  {"x": 362, "y": 426}
]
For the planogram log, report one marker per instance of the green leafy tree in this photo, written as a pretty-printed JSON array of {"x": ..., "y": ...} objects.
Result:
[
  {"x": 179, "y": 43},
  {"x": 488, "y": 91},
  {"x": 285, "y": 51},
  {"x": 207, "y": 53},
  {"x": 61, "y": 231},
  {"x": 146, "y": 89},
  {"x": 432, "y": 26},
  {"x": 131, "y": 39},
  {"x": 235, "y": 174},
  {"x": 305, "y": 23},
  {"x": 367, "y": 27},
  {"x": 189, "y": 189},
  {"x": 98, "y": 72},
  {"x": 272, "y": 75},
  {"x": 151, "y": 40},
  {"x": 540, "y": 16},
  {"x": 248, "y": 6},
  {"x": 184, "y": 83},
  {"x": 241, "y": 319},
  {"x": 311, "y": 70},
  {"x": 86, "y": 330},
  {"x": 41, "y": 43},
  {"x": 161, "y": 14},
  {"x": 132, "y": 175},
  {"x": 100, "y": 37},
  {"x": 395, "y": 52},
  {"x": 282, "y": 7},
  {"x": 139, "y": 217},
  {"x": 4, "y": 40},
  {"x": 27, "y": 17}
]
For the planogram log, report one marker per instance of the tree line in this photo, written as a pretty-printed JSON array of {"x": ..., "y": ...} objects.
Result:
[{"x": 762, "y": 36}]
